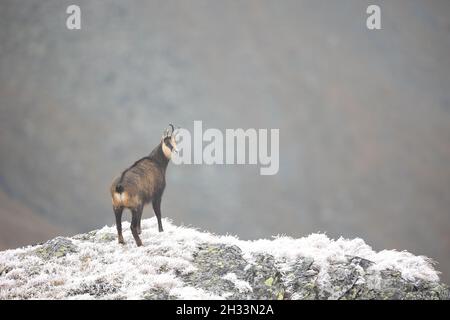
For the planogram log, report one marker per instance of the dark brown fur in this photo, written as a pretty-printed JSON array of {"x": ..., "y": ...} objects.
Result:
[{"x": 140, "y": 184}]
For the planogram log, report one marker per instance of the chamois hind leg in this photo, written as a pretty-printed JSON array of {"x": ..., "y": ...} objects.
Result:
[
  {"x": 139, "y": 230},
  {"x": 157, "y": 208},
  {"x": 118, "y": 213},
  {"x": 135, "y": 213}
]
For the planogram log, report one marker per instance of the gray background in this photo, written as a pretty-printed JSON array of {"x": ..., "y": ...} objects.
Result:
[{"x": 364, "y": 116}]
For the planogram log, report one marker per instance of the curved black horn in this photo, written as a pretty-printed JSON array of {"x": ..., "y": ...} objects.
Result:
[{"x": 173, "y": 129}]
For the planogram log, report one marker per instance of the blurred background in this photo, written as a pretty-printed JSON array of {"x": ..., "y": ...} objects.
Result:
[{"x": 364, "y": 116}]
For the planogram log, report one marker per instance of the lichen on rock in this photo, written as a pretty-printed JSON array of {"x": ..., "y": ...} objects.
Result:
[
  {"x": 56, "y": 248},
  {"x": 183, "y": 263}
]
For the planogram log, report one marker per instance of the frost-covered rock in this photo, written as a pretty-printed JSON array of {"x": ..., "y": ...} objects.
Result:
[
  {"x": 183, "y": 263},
  {"x": 57, "y": 247}
]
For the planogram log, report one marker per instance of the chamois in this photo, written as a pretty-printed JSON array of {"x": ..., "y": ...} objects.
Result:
[{"x": 142, "y": 183}]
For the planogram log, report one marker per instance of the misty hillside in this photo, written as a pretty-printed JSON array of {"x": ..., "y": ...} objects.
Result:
[
  {"x": 183, "y": 263},
  {"x": 20, "y": 226},
  {"x": 364, "y": 116}
]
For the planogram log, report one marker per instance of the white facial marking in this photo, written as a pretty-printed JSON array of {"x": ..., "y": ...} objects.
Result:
[
  {"x": 174, "y": 143},
  {"x": 166, "y": 150}
]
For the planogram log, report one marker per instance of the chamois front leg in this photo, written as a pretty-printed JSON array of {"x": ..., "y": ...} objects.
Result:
[
  {"x": 136, "y": 213},
  {"x": 118, "y": 213},
  {"x": 157, "y": 208}
]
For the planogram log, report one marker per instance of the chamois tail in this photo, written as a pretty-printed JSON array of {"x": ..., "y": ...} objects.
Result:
[{"x": 119, "y": 188}]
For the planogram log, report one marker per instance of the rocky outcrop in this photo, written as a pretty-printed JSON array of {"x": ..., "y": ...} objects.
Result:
[{"x": 183, "y": 263}]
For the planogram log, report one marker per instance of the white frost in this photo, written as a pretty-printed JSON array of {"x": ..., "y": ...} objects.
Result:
[
  {"x": 241, "y": 285},
  {"x": 137, "y": 270}
]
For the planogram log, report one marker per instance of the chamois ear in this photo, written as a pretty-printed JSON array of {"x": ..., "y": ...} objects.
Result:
[
  {"x": 168, "y": 133},
  {"x": 165, "y": 133}
]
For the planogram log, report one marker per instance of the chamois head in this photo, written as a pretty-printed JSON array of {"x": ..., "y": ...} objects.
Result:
[{"x": 168, "y": 142}]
